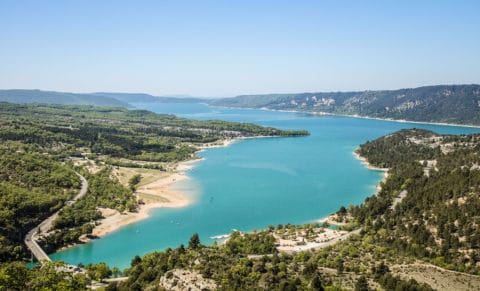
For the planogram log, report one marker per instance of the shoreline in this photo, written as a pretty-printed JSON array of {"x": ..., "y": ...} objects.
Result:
[
  {"x": 330, "y": 219},
  {"x": 160, "y": 189},
  {"x": 373, "y": 168},
  {"x": 322, "y": 113},
  {"x": 366, "y": 163},
  {"x": 393, "y": 120},
  {"x": 335, "y": 235}
]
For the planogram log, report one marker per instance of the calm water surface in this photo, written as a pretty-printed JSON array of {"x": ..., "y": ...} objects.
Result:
[{"x": 254, "y": 183}]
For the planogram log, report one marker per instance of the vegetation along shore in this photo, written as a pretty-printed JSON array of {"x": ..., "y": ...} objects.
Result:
[{"x": 406, "y": 235}]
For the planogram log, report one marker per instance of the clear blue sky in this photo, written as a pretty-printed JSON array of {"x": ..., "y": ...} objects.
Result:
[{"x": 225, "y": 48}]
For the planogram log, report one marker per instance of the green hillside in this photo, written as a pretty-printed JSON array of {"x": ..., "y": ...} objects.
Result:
[
  {"x": 443, "y": 103},
  {"x": 38, "y": 96},
  {"x": 429, "y": 207}
]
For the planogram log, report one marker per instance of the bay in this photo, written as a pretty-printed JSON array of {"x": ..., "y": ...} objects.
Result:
[{"x": 254, "y": 183}]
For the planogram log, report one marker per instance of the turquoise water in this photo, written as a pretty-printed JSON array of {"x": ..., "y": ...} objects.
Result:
[{"x": 256, "y": 182}]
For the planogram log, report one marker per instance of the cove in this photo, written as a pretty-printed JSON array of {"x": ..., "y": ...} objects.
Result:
[{"x": 255, "y": 182}]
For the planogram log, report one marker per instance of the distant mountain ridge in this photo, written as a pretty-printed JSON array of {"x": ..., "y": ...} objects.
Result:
[
  {"x": 458, "y": 104},
  {"x": 39, "y": 96},
  {"x": 97, "y": 99},
  {"x": 147, "y": 98},
  {"x": 442, "y": 103}
]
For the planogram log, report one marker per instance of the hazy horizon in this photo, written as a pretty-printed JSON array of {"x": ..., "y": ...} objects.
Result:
[
  {"x": 225, "y": 49},
  {"x": 216, "y": 97}
]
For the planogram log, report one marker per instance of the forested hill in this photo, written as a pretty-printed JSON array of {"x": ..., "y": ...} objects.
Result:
[
  {"x": 38, "y": 96},
  {"x": 97, "y": 99},
  {"x": 118, "y": 132},
  {"x": 429, "y": 207},
  {"x": 443, "y": 103}
]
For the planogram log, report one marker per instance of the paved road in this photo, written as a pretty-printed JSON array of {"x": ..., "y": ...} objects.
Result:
[{"x": 46, "y": 225}]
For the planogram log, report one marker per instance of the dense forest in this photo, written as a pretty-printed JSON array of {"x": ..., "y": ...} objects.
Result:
[
  {"x": 140, "y": 135},
  {"x": 32, "y": 186},
  {"x": 443, "y": 103},
  {"x": 429, "y": 207}
]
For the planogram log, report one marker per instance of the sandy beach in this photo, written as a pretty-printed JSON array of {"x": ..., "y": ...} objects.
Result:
[
  {"x": 159, "y": 192},
  {"x": 332, "y": 220},
  {"x": 218, "y": 144}
]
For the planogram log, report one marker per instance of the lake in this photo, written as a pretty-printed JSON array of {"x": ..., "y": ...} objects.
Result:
[{"x": 255, "y": 183}]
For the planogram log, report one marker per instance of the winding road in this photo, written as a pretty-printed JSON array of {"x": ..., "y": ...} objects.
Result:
[{"x": 46, "y": 225}]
